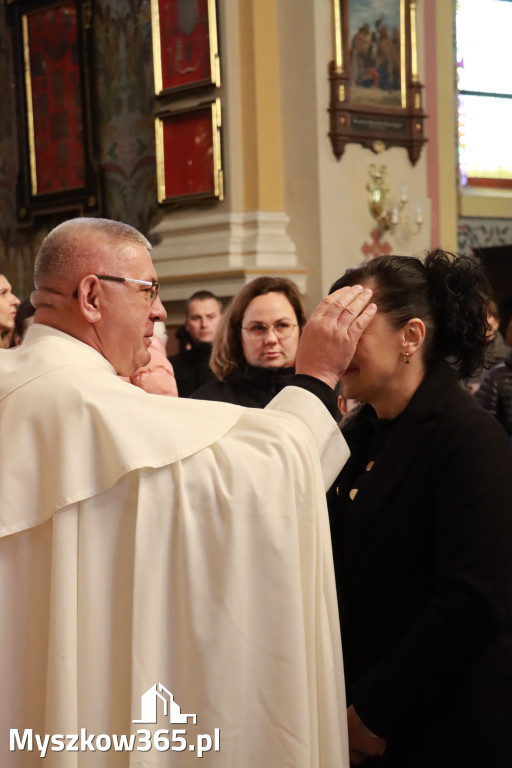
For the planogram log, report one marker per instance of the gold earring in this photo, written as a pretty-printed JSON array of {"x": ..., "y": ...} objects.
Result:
[{"x": 405, "y": 358}]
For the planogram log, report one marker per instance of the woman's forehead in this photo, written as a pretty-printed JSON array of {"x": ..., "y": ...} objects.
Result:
[{"x": 270, "y": 303}]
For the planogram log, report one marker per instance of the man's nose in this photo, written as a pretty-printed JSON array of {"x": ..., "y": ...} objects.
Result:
[{"x": 158, "y": 311}]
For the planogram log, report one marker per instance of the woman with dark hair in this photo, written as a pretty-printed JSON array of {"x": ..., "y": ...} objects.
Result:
[
  {"x": 8, "y": 305},
  {"x": 254, "y": 350},
  {"x": 421, "y": 523},
  {"x": 22, "y": 322}
]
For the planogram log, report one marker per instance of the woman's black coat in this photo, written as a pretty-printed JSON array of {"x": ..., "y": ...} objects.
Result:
[
  {"x": 423, "y": 559},
  {"x": 253, "y": 387}
]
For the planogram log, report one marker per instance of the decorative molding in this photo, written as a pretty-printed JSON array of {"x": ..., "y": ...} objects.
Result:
[
  {"x": 218, "y": 241},
  {"x": 222, "y": 252}
]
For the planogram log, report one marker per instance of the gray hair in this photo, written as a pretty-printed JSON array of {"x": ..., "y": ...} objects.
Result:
[{"x": 69, "y": 249}]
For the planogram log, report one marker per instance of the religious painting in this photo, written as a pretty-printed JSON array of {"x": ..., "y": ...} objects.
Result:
[
  {"x": 185, "y": 52},
  {"x": 375, "y": 33},
  {"x": 188, "y": 145},
  {"x": 376, "y": 96},
  {"x": 53, "y": 94}
]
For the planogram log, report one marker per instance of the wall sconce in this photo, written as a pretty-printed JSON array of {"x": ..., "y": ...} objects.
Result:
[{"x": 391, "y": 219}]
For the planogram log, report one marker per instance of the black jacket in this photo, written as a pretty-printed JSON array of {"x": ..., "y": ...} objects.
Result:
[
  {"x": 495, "y": 393},
  {"x": 423, "y": 559},
  {"x": 192, "y": 368},
  {"x": 253, "y": 387}
]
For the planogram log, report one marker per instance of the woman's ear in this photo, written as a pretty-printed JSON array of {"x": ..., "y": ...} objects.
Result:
[
  {"x": 89, "y": 298},
  {"x": 413, "y": 335}
]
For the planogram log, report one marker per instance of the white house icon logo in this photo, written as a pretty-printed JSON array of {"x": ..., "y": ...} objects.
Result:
[
  {"x": 149, "y": 702},
  {"x": 143, "y": 740}
]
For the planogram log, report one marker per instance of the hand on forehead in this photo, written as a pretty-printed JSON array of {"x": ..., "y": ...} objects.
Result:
[{"x": 330, "y": 337}]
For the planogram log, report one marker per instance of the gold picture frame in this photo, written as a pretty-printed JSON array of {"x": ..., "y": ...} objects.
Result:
[
  {"x": 185, "y": 45},
  {"x": 188, "y": 154},
  {"x": 52, "y": 54},
  {"x": 375, "y": 93}
]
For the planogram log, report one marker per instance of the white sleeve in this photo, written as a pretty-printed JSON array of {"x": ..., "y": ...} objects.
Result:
[{"x": 331, "y": 444}]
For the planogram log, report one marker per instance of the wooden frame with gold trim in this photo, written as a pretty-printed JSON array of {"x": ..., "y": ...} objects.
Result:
[
  {"x": 34, "y": 198},
  {"x": 190, "y": 196},
  {"x": 375, "y": 125},
  {"x": 214, "y": 76}
]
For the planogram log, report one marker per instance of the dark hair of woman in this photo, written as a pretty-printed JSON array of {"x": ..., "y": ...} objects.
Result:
[
  {"x": 25, "y": 311},
  {"x": 447, "y": 291},
  {"x": 227, "y": 352}
]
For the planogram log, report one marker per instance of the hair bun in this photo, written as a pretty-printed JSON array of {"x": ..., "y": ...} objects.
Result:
[{"x": 458, "y": 290}]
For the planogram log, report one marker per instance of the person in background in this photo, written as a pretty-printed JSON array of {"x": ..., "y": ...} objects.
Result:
[
  {"x": 191, "y": 365},
  {"x": 24, "y": 319},
  {"x": 348, "y": 407},
  {"x": 157, "y": 377},
  {"x": 8, "y": 304},
  {"x": 495, "y": 349},
  {"x": 495, "y": 393},
  {"x": 421, "y": 528},
  {"x": 254, "y": 352}
]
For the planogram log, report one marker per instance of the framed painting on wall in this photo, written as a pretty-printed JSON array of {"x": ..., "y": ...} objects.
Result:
[
  {"x": 375, "y": 97},
  {"x": 188, "y": 153},
  {"x": 185, "y": 47},
  {"x": 53, "y": 90}
]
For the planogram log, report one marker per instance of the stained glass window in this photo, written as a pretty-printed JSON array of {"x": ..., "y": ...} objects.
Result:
[{"x": 484, "y": 34}]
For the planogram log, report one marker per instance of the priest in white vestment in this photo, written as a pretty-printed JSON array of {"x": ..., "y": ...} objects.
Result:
[{"x": 166, "y": 581}]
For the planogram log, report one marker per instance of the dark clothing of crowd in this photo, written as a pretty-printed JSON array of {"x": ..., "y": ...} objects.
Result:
[
  {"x": 495, "y": 393},
  {"x": 496, "y": 351},
  {"x": 192, "y": 367},
  {"x": 253, "y": 387}
]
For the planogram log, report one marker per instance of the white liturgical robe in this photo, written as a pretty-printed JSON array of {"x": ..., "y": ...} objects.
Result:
[{"x": 163, "y": 560}]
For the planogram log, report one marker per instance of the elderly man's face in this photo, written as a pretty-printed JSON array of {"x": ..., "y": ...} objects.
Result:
[{"x": 128, "y": 311}]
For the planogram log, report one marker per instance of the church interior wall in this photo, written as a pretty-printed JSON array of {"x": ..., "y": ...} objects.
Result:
[
  {"x": 281, "y": 165},
  {"x": 124, "y": 126}
]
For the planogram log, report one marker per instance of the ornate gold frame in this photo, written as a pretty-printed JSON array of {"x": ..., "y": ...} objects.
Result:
[
  {"x": 52, "y": 191},
  {"x": 217, "y": 188},
  {"x": 371, "y": 124},
  {"x": 214, "y": 78}
]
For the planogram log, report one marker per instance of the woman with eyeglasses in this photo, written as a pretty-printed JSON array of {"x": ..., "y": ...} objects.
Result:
[{"x": 254, "y": 351}]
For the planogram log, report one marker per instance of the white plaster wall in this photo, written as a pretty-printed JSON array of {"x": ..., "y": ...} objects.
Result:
[{"x": 299, "y": 104}]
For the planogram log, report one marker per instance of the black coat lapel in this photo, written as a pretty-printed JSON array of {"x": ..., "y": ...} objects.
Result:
[
  {"x": 393, "y": 464},
  {"x": 389, "y": 471}
]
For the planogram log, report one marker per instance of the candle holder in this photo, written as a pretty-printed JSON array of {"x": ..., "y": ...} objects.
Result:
[{"x": 389, "y": 219}]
